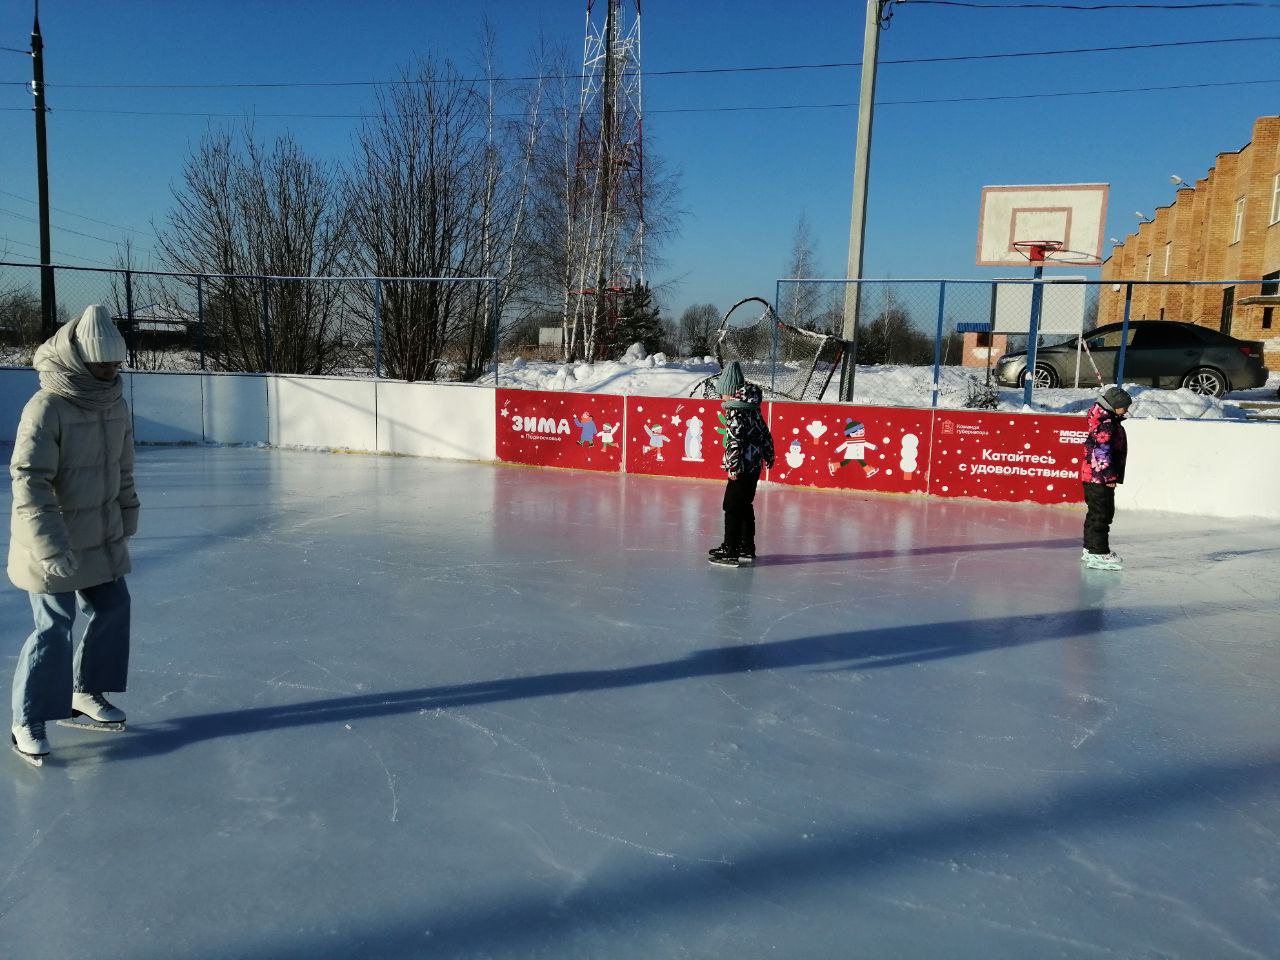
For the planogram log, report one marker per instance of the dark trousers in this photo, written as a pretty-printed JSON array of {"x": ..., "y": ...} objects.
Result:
[
  {"x": 740, "y": 515},
  {"x": 1101, "y": 501}
]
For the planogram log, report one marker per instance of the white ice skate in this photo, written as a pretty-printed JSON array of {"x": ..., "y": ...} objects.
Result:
[
  {"x": 92, "y": 711},
  {"x": 1102, "y": 561},
  {"x": 29, "y": 743}
]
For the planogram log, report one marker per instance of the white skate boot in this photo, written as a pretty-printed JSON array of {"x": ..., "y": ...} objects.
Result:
[
  {"x": 92, "y": 711},
  {"x": 29, "y": 742},
  {"x": 1103, "y": 561}
]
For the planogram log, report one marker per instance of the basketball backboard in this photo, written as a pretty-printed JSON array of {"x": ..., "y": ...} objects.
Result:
[{"x": 1072, "y": 214}]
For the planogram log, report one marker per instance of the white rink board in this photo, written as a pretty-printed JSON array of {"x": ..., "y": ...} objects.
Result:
[
  {"x": 1207, "y": 468},
  {"x": 322, "y": 412},
  {"x": 449, "y": 421},
  {"x": 17, "y": 385},
  {"x": 235, "y": 408},
  {"x": 167, "y": 408}
]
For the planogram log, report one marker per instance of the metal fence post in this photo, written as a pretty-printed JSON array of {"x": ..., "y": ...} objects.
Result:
[
  {"x": 773, "y": 348},
  {"x": 937, "y": 342},
  {"x": 377, "y": 328},
  {"x": 495, "y": 311},
  {"x": 1124, "y": 334},
  {"x": 200, "y": 316},
  {"x": 266, "y": 327},
  {"x": 131, "y": 340}
]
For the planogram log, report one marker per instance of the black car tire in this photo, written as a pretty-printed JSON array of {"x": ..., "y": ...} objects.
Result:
[
  {"x": 1046, "y": 377},
  {"x": 1205, "y": 381}
]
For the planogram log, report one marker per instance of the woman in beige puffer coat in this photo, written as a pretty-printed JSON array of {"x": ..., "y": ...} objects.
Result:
[{"x": 74, "y": 508}]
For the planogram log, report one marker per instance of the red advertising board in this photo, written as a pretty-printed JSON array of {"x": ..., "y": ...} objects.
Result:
[
  {"x": 674, "y": 437},
  {"x": 885, "y": 449},
  {"x": 1002, "y": 456},
  {"x": 581, "y": 431}
]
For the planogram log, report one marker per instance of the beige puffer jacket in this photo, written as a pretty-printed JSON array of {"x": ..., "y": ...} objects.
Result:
[{"x": 72, "y": 471}]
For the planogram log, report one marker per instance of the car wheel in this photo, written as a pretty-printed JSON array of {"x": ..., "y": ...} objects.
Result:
[
  {"x": 1205, "y": 381},
  {"x": 1045, "y": 377}
]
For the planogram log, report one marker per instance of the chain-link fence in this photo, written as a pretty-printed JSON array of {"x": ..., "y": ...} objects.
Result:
[
  {"x": 402, "y": 329},
  {"x": 957, "y": 343}
]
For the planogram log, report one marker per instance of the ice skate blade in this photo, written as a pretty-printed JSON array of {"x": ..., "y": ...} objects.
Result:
[
  {"x": 88, "y": 724},
  {"x": 34, "y": 759},
  {"x": 727, "y": 564}
]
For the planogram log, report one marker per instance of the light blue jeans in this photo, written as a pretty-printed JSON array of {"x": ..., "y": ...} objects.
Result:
[{"x": 47, "y": 673}]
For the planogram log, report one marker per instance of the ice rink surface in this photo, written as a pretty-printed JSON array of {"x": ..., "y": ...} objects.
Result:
[{"x": 391, "y": 708}]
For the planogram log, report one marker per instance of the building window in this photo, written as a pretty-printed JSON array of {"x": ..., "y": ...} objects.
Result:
[
  {"x": 1266, "y": 317},
  {"x": 1270, "y": 284},
  {"x": 1275, "y": 200},
  {"x": 1237, "y": 226},
  {"x": 1228, "y": 307},
  {"x": 1168, "y": 255}
]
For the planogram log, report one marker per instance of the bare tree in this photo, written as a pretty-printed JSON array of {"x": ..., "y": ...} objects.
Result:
[
  {"x": 803, "y": 304},
  {"x": 422, "y": 204},
  {"x": 242, "y": 212},
  {"x": 696, "y": 327}
]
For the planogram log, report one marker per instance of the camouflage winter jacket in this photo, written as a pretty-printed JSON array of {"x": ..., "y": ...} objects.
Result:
[
  {"x": 1105, "y": 448},
  {"x": 748, "y": 446}
]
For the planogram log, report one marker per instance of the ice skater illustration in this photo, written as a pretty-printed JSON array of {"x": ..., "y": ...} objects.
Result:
[
  {"x": 657, "y": 440},
  {"x": 607, "y": 430},
  {"x": 693, "y": 440},
  {"x": 588, "y": 426},
  {"x": 854, "y": 449}
]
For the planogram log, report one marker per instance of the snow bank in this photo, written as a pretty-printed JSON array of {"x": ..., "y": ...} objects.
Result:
[{"x": 891, "y": 386}]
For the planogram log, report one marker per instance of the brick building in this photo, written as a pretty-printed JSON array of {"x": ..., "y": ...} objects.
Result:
[{"x": 1227, "y": 227}]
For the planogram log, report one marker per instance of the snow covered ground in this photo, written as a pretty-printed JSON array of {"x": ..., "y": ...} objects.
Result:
[
  {"x": 875, "y": 386},
  {"x": 389, "y": 708}
]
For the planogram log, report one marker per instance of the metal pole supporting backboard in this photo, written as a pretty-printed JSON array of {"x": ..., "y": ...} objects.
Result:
[
  {"x": 1033, "y": 335},
  {"x": 1124, "y": 334}
]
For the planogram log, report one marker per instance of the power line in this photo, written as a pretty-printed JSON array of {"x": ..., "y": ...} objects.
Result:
[
  {"x": 71, "y": 256},
  {"x": 701, "y": 71},
  {"x": 87, "y": 236},
  {"x": 742, "y": 109},
  {"x": 1092, "y": 7},
  {"x": 81, "y": 216}
]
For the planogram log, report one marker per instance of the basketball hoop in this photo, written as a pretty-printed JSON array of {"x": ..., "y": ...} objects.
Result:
[{"x": 1037, "y": 251}]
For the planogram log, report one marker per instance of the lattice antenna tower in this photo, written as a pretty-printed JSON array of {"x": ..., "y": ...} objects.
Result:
[{"x": 608, "y": 192}]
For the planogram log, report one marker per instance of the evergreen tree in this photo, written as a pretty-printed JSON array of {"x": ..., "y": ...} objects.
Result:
[{"x": 639, "y": 320}]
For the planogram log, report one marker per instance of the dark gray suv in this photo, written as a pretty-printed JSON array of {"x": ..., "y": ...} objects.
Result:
[{"x": 1162, "y": 353}]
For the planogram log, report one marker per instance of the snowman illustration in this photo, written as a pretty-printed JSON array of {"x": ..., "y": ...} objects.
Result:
[
  {"x": 607, "y": 430},
  {"x": 794, "y": 455},
  {"x": 854, "y": 449},
  {"x": 657, "y": 440},
  {"x": 693, "y": 440}
]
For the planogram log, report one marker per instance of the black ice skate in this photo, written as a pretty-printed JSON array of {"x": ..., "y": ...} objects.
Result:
[
  {"x": 29, "y": 743},
  {"x": 92, "y": 711},
  {"x": 721, "y": 560}
]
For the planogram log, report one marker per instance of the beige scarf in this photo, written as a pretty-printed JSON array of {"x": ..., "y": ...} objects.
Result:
[{"x": 63, "y": 372}]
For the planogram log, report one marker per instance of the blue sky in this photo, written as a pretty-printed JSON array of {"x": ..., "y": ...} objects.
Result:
[{"x": 747, "y": 175}]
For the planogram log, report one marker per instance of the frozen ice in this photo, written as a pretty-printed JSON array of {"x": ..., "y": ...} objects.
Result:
[{"x": 387, "y": 708}]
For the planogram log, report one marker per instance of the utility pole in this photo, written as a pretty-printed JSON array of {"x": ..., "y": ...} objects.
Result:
[
  {"x": 861, "y": 174},
  {"x": 48, "y": 302}
]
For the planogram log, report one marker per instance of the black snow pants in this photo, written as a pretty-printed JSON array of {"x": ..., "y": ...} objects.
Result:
[
  {"x": 740, "y": 515},
  {"x": 1101, "y": 501}
]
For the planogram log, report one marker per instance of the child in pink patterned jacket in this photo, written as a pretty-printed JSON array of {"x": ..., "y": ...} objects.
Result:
[{"x": 1105, "y": 451}]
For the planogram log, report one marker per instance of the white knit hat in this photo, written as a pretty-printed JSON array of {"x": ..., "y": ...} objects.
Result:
[{"x": 97, "y": 338}]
